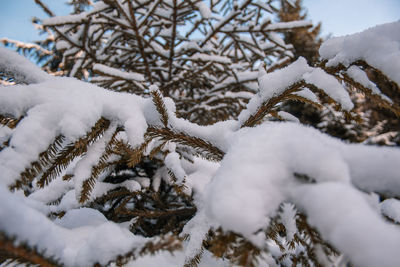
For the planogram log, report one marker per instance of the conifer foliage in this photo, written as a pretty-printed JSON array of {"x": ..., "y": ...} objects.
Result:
[{"x": 167, "y": 140}]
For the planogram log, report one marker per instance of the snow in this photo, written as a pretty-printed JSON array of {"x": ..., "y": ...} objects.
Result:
[
  {"x": 241, "y": 193},
  {"x": 288, "y": 219},
  {"x": 204, "y": 9},
  {"x": 361, "y": 77},
  {"x": 49, "y": 109},
  {"x": 350, "y": 223},
  {"x": 167, "y": 259},
  {"x": 330, "y": 86},
  {"x": 288, "y": 25},
  {"x": 81, "y": 217},
  {"x": 172, "y": 162},
  {"x": 278, "y": 26},
  {"x": 52, "y": 192},
  {"x": 287, "y": 116},
  {"x": 206, "y": 57},
  {"x": 20, "y": 68},
  {"x": 199, "y": 175},
  {"x": 378, "y": 46},
  {"x": 373, "y": 168},
  {"x": 307, "y": 94},
  {"x": 83, "y": 167},
  {"x": 391, "y": 209},
  {"x": 273, "y": 153},
  {"x": 275, "y": 83},
  {"x": 75, "y": 18},
  {"x": 82, "y": 237},
  {"x": 118, "y": 73},
  {"x": 197, "y": 229}
]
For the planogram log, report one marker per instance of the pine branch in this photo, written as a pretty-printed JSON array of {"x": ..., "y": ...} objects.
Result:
[
  {"x": 173, "y": 37},
  {"x": 233, "y": 247},
  {"x": 267, "y": 106},
  {"x": 9, "y": 122},
  {"x": 224, "y": 22},
  {"x": 204, "y": 148},
  {"x": 71, "y": 151},
  {"x": 305, "y": 101},
  {"x": 393, "y": 107},
  {"x": 160, "y": 106},
  {"x": 44, "y": 8},
  {"x": 46, "y": 158},
  {"x": 22, "y": 253},
  {"x": 168, "y": 242},
  {"x": 338, "y": 72},
  {"x": 134, "y": 156},
  {"x": 132, "y": 20},
  {"x": 89, "y": 183},
  {"x": 195, "y": 260}
]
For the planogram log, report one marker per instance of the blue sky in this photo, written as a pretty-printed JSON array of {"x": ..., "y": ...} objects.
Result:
[
  {"x": 341, "y": 17},
  {"x": 338, "y": 17}
]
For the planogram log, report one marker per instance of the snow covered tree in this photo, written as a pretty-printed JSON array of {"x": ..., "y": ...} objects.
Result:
[
  {"x": 196, "y": 51},
  {"x": 179, "y": 149}
]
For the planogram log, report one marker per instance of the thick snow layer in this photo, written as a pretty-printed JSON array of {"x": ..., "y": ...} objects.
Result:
[
  {"x": 70, "y": 107},
  {"x": 361, "y": 77},
  {"x": 257, "y": 174},
  {"x": 378, "y": 46},
  {"x": 275, "y": 83},
  {"x": 330, "y": 86},
  {"x": 307, "y": 94},
  {"x": 82, "y": 237},
  {"x": 20, "y": 68},
  {"x": 287, "y": 116},
  {"x": 342, "y": 216},
  {"x": 49, "y": 109}
]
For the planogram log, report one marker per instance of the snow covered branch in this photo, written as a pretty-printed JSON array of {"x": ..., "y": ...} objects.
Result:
[{"x": 192, "y": 159}]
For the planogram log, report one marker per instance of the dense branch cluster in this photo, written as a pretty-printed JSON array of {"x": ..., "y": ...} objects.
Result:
[
  {"x": 202, "y": 54},
  {"x": 179, "y": 140}
]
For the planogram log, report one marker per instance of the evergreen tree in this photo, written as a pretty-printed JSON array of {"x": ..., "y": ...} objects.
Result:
[{"x": 175, "y": 145}]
